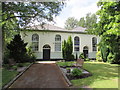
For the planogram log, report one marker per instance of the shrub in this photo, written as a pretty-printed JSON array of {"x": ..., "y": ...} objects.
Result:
[
  {"x": 20, "y": 65},
  {"x": 14, "y": 67},
  {"x": 30, "y": 55},
  {"x": 99, "y": 56},
  {"x": 6, "y": 56},
  {"x": 17, "y": 49},
  {"x": 68, "y": 70},
  {"x": 6, "y": 66},
  {"x": 67, "y": 49},
  {"x": 81, "y": 56},
  {"x": 87, "y": 59},
  {"x": 110, "y": 57},
  {"x": 76, "y": 72}
]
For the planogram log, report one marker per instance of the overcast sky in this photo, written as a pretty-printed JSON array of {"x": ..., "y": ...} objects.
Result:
[{"x": 77, "y": 9}]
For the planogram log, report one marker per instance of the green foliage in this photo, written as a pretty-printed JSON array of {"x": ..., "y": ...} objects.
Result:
[
  {"x": 71, "y": 23},
  {"x": 110, "y": 57},
  {"x": 81, "y": 22},
  {"x": 67, "y": 49},
  {"x": 82, "y": 56},
  {"x": 7, "y": 76},
  {"x": 99, "y": 56},
  {"x": 64, "y": 49},
  {"x": 17, "y": 49},
  {"x": 87, "y": 59},
  {"x": 30, "y": 55},
  {"x": 104, "y": 75},
  {"x": 6, "y": 56},
  {"x": 22, "y": 14},
  {"x": 68, "y": 63},
  {"x": 6, "y": 66},
  {"x": 88, "y": 22},
  {"x": 76, "y": 72},
  {"x": 20, "y": 65},
  {"x": 14, "y": 67}
]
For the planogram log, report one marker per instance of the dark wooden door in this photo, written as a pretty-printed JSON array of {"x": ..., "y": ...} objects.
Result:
[
  {"x": 85, "y": 53},
  {"x": 46, "y": 54}
]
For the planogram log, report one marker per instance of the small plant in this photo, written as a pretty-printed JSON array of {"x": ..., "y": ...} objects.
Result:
[
  {"x": 20, "y": 65},
  {"x": 87, "y": 59},
  {"x": 81, "y": 56},
  {"x": 68, "y": 70},
  {"x": 14, "y": 67},
  {"x": 76, "y": 72},
  {"x": 6, "y": 66}
]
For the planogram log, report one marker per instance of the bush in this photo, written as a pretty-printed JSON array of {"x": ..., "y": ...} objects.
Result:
[
  {"x": 14, "y": 67},
  {"x": 82, "y": 56},
  {"x": 76, "y": 72},
  {"x": 6, "y": 66},
  {"x": 67, "y": 49},
  {"x": 30, "y": 55},
  {"x": 87, "y": 59},
  {"x": 20, "y": 65},
  {"x": 110, "y": 58},
  {"x": 68, "y": 70},
  {"x": 6, "y": 56},
  {"x": 99, "y": 56},
  {"x": 17, "y": 49}
]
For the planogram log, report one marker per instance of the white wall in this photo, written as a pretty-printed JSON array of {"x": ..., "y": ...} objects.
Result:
[{"x": 49, "y": 38}]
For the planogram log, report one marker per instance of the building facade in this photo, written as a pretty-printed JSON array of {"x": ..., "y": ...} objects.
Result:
[{"x": 46, "y": 42}]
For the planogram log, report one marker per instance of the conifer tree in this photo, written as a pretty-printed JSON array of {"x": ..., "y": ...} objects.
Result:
[{"x": 17, "y": 49}]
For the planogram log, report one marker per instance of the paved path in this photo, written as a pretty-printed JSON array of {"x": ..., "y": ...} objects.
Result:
[{"x": 41, "y": 76}]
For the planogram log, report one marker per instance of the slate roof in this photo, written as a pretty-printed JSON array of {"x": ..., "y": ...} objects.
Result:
[{"x": 50, "y": 27}]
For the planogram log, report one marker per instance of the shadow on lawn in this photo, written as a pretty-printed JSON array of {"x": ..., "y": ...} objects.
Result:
[{"x": 99, "y": 72}]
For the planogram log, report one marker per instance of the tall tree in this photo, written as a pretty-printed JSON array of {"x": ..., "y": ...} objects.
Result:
[
  {"x": 17, "y": 49},
  {"x": 71, "y": 23},
  {"x": 19, "y": 14},
  {"x": 67, "y": 49},
  {"x": 81, "y": 22},
  {"x": 108, "y": 28}
]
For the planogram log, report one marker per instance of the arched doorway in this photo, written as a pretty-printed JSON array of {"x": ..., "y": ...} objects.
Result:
[
  {"x": 85, "y": 51},
  {"x": 46, "y": 52}
]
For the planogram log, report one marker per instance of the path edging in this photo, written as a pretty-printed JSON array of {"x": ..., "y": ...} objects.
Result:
[
  {"x": 67, "y": 80},
  {"x": 15, "y": 78}
]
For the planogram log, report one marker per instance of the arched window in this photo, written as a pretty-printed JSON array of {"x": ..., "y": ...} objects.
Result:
[
  {"x": 57, "y": 43},
  {"x": 35, "y": 42},
  {"x": 76, "y": 43},
  {"x": 94, "y": 44}
]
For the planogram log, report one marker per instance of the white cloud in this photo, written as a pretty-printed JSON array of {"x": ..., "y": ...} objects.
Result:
[
  {"x": 77, "y": 9},
  {"x": 59, "y": 22}
]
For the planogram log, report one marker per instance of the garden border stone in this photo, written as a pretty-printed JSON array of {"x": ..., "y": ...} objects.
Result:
[
  {"x": 67, "y": 80},
  {"x": 15, "y": 78}
]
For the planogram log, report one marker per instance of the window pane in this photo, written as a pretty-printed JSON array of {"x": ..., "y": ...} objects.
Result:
[
  {"x": 94, "y": 43},
  {"x": 35, "y": 37},
  {"x": 76, "y": 44},
  {"x": 57, "y": 46}
]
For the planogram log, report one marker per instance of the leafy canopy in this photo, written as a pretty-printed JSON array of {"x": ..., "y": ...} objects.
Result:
[
  {"x": 71, "y": 23},
  {"x": 20, "y": 14}
]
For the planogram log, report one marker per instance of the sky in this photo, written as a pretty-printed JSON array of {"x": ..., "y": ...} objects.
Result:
[{"x": 77, "y": 9}]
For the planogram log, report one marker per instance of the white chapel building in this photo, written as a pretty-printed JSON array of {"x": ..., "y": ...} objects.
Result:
[{"x": 47, "y": 41}]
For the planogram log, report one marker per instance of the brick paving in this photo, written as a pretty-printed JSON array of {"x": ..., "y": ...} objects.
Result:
[{"x": 42, "y": 75}]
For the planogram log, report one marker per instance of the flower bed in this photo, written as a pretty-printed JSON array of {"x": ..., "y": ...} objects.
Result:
[{"x": 71, "y": 73}]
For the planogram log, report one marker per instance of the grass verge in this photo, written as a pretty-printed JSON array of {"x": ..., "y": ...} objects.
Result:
[
  {"x": 104, "y": 75},
  {"x": 8, "y": 75}
]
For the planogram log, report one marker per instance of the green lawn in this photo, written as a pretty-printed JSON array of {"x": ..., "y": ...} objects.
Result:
[
  {"x": 104, "y": 75},
  {"x": 8, "y": 75}
]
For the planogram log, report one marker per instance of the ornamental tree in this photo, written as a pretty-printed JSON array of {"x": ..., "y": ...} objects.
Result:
[{"x": 17, "y": 49}]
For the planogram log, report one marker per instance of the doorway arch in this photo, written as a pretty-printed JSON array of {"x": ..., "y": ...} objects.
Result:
[
  {"x": 85, "y": 51},
  {"x": 46, "y": 52}
]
